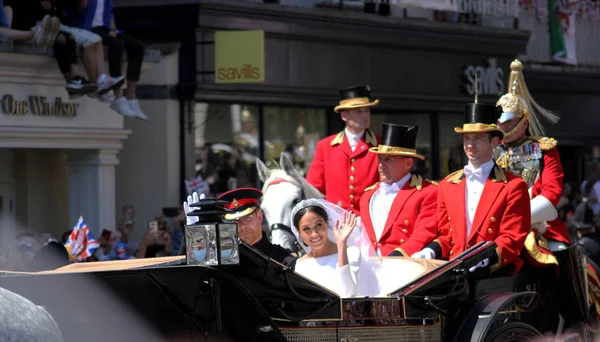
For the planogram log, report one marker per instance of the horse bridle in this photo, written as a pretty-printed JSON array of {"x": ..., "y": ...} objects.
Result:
[{"x": 281, "y": 226}]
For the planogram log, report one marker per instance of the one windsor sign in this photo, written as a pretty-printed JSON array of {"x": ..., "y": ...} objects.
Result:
[
  {"x": 489, "y": 77},
  {"x": 38, "y": 105}
]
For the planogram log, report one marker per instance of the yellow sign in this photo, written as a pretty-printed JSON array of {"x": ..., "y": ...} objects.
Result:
[{"x": 239, "y": 56}]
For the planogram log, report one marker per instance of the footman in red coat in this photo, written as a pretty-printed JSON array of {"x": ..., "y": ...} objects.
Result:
[
  {"x": 343, "y": 167},
  {"x": 483, "y": 202},
  {"x": 398, "y": 213}
]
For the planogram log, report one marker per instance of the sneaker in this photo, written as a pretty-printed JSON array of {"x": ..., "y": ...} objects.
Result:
[
  {"x": 79, "y": 86},
  {"x": 134, "y": 105},
  {"x": 106, "y": 83},
  {"x": 106, "y": 98},
  {"x": 120, "y": 106},
  {"x": 53, "y": 32}
]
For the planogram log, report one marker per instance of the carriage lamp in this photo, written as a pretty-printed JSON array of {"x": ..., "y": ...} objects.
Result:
[{"x": 211, "y": 241}]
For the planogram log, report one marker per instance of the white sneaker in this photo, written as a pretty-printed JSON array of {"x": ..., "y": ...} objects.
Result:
[
  {"x": 106, "y": 83},
  {"x": 134, "y": 105},
  {"x": 120, "y": 106},
  {"x": 106, "y": 98}
]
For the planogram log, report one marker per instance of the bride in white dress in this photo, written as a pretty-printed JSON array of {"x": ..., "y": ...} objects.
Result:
[{"x": 328, "y": 260}]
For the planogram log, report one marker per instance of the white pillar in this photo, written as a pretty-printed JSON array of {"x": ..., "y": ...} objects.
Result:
[{"x": 92, "y": 188}]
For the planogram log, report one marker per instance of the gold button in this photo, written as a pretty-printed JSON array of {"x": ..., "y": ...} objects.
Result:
[
  {"x": 351, "y": 178},
  {"x": 490, "y": 230},
  {"x": 352, "y": 160},
  {"x": 404, "y": 231},
  {"x": 505, "y": 261},
  {"x": 448, "y": 218},
  {"x": 401, "y": 240},
  {"x": 351, "y": 196},
  {"x": 406, "y": 222},
  {"x": 351, "y": 187},
  {"x": 493, "y": 219},
  {"x": 352, "y": 205},
  {"x": 450, "y": 252},
  {"x": 452, "y": 242},
  {"x": 450, "y": 230},
  {"x": 352, "y": 168}
]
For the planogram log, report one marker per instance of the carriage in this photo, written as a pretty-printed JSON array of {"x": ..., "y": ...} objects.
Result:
[{"x": 165, "y": 299}]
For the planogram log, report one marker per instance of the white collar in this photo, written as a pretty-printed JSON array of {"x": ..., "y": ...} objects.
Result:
[
  {"x": 353, "y": 136},
  {"x": 399, "y": 184},
  {"x": 486, "y": 167}
]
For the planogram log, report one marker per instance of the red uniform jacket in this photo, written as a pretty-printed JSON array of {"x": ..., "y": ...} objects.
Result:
[
  {"x": 550, "y": 185},
  {"x": 343, "y": 175},
  {"x": 503, "y": 215},
  {"x": 411, "y": 223}
]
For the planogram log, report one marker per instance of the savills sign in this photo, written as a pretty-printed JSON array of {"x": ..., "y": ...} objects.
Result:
[
  {"x": 489, "y": 78},
  {"x": 239, "y": 56},
  {"x": 38, "y": 105}
]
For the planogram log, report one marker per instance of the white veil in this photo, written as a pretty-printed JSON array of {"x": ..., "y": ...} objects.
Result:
[
  {"x": 373, "y": 275},
  {"x": 359, "y": 247},
  {"x": 357, "y": 240}
]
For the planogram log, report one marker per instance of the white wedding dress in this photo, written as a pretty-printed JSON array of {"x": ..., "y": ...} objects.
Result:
[{"x": 325, "y": 272}]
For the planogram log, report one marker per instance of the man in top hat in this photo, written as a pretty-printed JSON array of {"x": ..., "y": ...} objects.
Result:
[
  {"x": 399, "y": 212},
  {"x": 482, "y": 202},
  {"x": 525, "y": 151},
  {"x": 244, "y": 209},
  {"x": 343, "y": 167}
]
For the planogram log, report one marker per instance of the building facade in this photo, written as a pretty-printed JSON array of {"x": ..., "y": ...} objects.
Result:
[
  {"x": 58, "y": 155},
  {"x": 423, "y": 72}
]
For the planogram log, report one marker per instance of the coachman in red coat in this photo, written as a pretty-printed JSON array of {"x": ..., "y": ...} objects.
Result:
[
  {"x": 399, "y": 212},
  {"x": 343, "y": 167},
  {"x": 483, "y": 202},
  {"x": 535, "y": 158}
]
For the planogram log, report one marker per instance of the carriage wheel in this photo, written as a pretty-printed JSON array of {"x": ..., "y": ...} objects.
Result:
[{"x": 513, "y": 332}]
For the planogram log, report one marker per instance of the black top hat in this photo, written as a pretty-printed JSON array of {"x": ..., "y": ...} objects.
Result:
[
  {"x": 398, "y": 140},
  {"x": 583, "y": 218},
  {"x": 481, "y": 118},
  {"x": 355, "y": 97},
  {"x": 242, "y": 202}
]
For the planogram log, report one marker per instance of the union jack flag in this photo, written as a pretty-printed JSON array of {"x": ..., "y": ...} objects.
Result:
[{"x": 81, "y": 244}]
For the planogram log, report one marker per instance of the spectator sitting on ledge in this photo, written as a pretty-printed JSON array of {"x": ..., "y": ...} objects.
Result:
[
  {"x": 42, "y": 33},
  {"x": 97, "y": 16}
]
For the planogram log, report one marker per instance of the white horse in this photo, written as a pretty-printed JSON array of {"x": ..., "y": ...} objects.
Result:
[{"x": 283, "y": 188}]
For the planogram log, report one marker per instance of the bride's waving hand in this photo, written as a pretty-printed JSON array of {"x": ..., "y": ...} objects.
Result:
[{"x": 341, "y": 233}]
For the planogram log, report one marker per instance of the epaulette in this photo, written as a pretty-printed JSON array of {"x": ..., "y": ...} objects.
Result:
[
  {"x": 546, "y": 143},
  {"x": 416, "y": 181},
  {"x": 499, "y": 174},
  {"x": 455, "y": 176},
  {"x": 371, "y": 187},
  {"x": 432, "y": 182}
]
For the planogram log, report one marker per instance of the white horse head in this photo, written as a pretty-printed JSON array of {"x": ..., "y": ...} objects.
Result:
[{"x": 283, "y": 188}]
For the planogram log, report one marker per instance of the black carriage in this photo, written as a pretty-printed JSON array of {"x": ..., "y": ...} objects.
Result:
[{"x": 164, "y": 299}]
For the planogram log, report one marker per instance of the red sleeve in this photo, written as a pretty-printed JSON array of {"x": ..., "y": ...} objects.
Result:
[
  {"x": 552, "y": 177},
  {"x": 425, "y": 229},
  {"x": 515, "y": 224},
  {"x": 316, "y": 173},
  {"x": 441, "y": 244}
]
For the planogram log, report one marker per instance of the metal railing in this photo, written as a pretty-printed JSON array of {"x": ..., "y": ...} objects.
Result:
[{"x": 587, "y": 36}]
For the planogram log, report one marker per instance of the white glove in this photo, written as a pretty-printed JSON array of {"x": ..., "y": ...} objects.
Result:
[
  {"x": 425, "y": 253},
  {"x": 483, "y": 263},
  {"x": 191, "y": 199}
]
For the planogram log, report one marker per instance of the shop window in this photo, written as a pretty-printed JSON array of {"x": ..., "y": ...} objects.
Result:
[
  {"x": 452, "y": 156},
  {"x": 294, "y": 130},
  {"x": 226, "y": 145},
  {"x": 423, "y": 140}
]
